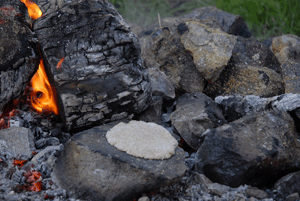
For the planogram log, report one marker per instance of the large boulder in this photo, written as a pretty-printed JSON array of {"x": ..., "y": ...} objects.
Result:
[
  {"x": 246, "y": 80},
  {"x": 211, "y": 48},
  {"x": 90, "y": 168},
  {"x": 194, "y": 114},
  {"x": 257, "y": 149},
  {"x": 101, "y": 77},
  {"x": 287, "y": 50},
  {"x": 232, "y": 24}
]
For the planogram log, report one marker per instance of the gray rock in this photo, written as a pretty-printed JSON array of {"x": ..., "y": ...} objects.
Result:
[
  {"x": 17, "y": 142},
  {"x": 232, "y": 24},
  {"x": 211, "y": 48},
  {"x": 163, "y": 50},
  {"x": 288, "y": 184},
  {"x": 256, "y": 192},
  {"x": 251, "y": 52},
  {"x": 102, "y": 77},
  {"x": 235, "y": 107},
  {"x": 292, "y": 197},
  {"x": 246, "y": 80},
  {"x": 242, "y": 152},
  {"x": 194, "y": 114},
  {"x": 153, "y": 112},
  {"x": 90, "y": 168},
  {"x": 160, "y": 84},
  {"x": 287, "y": 50}
]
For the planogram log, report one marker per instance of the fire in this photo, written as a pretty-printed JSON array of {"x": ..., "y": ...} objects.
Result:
[
  {"x": 43, "y": 97},
  {"x": 58, "y": 66},
  {"x": 33, "y": 10}
]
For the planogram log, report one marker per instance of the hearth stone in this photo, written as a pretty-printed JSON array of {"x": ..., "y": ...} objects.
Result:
[
  {"x": 163, "y": 51},
  {"x": 246, "y": 80},
  {"x": 235, "y": 107},
  {"x": 19, "y": 56},
  {"x": 287, "y": 50},
  {"x": 102, "y": 77},
  {"x": 90, "y": 168},
  {"x": 17, "y": 143},
  {"x": 211, "y": 48},
  {"x": 254, "y": 53},
  {"x": 194, "y": 114},
  {"x": 232, "y": 24},
  {"x": 257, "y": 149}
]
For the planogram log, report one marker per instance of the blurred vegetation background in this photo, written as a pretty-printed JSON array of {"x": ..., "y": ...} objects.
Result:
[{"x": 265, "y": 18}]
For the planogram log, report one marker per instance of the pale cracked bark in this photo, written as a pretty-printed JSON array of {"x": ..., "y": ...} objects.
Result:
[{"x": 102, "y": 77}]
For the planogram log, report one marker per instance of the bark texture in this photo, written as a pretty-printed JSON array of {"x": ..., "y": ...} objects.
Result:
[{"x": 102, "y": 77}]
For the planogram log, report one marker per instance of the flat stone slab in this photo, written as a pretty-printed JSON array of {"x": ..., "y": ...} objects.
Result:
[{"x": 90, "y": 168}]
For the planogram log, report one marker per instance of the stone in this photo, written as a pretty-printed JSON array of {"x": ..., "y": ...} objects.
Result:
[
  {"x": 90, "y": 168},
  {"x": 217, "y": 189},
  {"x": 232, "y": 24},
  {"x": 211, "y": 48},
  {"x": 141, "y": 139},
  {"x": 102, "y": 77},
  {"x": 256, "y": 192},
  {"x": 287, "y": 50},
  {"x": 257, "y": 150},
  {"x": 251, "y": 52},
  {"x": 288, "y": 184},
  {"x": 160, "y": 84},
  {"x": 163, "y": 50},
  {"x": 153, "y": 112},
  {"x": 246, "y": 80},
  {"x": 17, "y": 142},
  {"x": 237, "y": 106},
  {"x": 292, "y": 197},
  {"x": 194, "y": 114}
]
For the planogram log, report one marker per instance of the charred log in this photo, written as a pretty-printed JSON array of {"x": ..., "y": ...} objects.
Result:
[
  {"x": 102, "y": 77},
  {"x": 19, "y": 56}
]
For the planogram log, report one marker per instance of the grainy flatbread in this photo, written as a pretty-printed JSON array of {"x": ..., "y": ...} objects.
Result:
[{"x": 141, "y": 139}]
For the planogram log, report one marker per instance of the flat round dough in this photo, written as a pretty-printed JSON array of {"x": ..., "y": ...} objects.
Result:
[{"x": 141, "y": 139}]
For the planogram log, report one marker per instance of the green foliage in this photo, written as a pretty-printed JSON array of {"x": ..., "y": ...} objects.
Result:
[{"x": 264, "y": 18}]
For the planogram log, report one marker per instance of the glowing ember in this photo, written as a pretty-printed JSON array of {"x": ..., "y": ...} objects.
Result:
[
  {"x": 19, "y": 163},
  {"x": 34, "y": 178},
  {"x": 43, "y": 97},
  {"x": 33, "y": 10},
  {"x": 58, "y": 66}
]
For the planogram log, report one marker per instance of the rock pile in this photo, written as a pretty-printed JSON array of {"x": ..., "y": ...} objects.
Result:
[{"x": 230, "y": 101}]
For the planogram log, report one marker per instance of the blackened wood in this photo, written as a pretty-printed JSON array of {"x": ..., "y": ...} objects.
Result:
[
  {"x": 102, "y": 77},
  {"x": 19, "y": 56}
]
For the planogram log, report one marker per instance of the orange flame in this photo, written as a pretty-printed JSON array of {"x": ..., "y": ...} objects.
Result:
[
  {"x": 58, "y": 66},
  {"x": 43, "y": 97},
  {"x": 33, "y": 9}
]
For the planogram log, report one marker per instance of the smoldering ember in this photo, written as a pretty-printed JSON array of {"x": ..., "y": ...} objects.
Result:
[{"x": 191, "y": 108}]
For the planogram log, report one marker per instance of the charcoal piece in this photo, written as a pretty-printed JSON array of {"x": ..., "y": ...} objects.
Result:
[
  {"x": 19, "y": 56},
  {"x": 101, "y": 77}
]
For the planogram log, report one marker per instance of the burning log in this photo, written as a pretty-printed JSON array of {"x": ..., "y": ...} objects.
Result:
[
  {"x": 19, "y": 56},
  {"x": 94, "y": 60}
]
